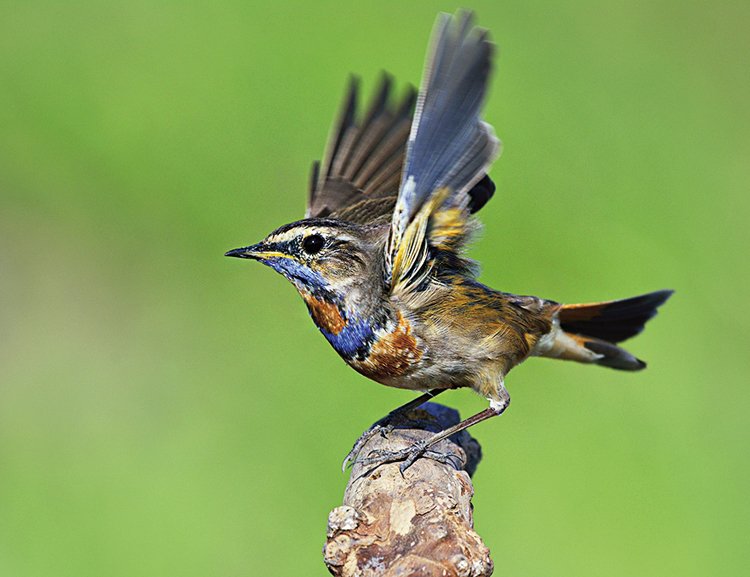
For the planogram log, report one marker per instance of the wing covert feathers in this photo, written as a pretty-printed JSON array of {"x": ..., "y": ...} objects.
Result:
[{"x": 411, "y": 263}]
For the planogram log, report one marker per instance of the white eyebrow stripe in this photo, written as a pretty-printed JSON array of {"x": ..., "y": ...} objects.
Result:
[{"x": 326, "y": 232}]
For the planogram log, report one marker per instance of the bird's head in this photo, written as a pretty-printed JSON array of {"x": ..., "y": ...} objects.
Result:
[{"x": 320, "y": 257}]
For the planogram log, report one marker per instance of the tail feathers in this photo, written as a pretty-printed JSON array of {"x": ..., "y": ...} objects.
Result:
[
  {"x": 587, "y": 332},
  {"x": 612, "y": 321},
  {"x": 609, "y": 355},
  {"x": 583, "y": 349}
]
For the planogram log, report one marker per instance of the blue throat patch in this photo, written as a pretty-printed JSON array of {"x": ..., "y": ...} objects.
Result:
[
  {"x": 357, "y": 335},
  {"x": 297, "y": 273}
]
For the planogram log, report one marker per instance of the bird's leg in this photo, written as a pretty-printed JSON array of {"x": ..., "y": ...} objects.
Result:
[
  {"x": 411, "y": 454},
  {"x": 383, "y": 426}
]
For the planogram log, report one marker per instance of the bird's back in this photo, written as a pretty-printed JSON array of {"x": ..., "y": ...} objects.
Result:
[{"x": 458, "y": 334}]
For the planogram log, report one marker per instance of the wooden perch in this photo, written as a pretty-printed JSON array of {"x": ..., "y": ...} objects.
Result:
[{"x": 416, "y": 525}]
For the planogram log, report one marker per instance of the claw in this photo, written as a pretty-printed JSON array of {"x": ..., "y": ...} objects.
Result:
[{"x": 351, "y": 457}]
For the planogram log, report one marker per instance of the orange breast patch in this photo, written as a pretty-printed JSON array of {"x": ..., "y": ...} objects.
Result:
[
  {"x": 392, "y": 354},
  {"x": 326, "y": 315}
]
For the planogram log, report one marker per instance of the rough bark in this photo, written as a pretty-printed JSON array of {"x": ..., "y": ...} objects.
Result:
[{"x": 418, "y": 524}]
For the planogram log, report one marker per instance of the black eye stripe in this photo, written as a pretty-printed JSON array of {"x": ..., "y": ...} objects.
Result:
[{"x": 313, "y": 244}]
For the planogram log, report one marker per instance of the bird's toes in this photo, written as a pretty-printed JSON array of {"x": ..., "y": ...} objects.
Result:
[
  {"x": 408, "y": 455},
  {"x": 412, "y": 454},
  {"x": 351, "y": 457},
  {"x": 381, "y": 457}
]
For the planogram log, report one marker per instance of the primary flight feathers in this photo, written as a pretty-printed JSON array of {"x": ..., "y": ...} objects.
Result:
[
  {"x": 358, "y": 180},
  {"x": 449, "y": 146}
]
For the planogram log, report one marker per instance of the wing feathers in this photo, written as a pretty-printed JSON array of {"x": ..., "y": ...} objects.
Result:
[
  {"x": 364, "y": 155},
  {"x": 342, "y": 128},
  {"x": 450, "y": 148},
  {"x": 448, "y": 140}
]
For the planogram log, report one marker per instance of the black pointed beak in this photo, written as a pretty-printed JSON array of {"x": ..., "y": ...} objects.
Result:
[{"x": 254, "y": 252}]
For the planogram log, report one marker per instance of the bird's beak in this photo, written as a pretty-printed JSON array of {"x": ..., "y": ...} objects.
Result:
[{"x": 256, "y": 252}]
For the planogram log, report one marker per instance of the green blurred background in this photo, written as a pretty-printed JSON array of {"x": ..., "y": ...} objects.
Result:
[{"x": 167, "y": 411}]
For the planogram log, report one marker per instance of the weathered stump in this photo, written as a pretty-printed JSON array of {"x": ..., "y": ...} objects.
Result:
[{"x": 418, "y": 524}]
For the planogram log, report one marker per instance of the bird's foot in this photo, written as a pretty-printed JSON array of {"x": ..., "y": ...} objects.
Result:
[
  {"x": 376, "y": 429},
  {"x": 409, "y": 455}
]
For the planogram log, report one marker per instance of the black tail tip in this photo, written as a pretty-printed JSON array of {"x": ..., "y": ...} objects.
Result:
[
  {"x": 661, "y": 296},
  {"x": 614, "y": 357}
]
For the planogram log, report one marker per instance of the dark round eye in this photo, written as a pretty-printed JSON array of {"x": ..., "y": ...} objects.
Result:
[{"x": 313, "y": 243}]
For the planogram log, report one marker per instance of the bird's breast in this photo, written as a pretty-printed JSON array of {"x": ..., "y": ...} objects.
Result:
[
  {"x": 393, "y": 353},
  {"x": 382, "y": 350}
]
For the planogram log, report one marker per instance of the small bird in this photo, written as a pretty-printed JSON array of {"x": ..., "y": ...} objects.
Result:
[{"x": 379, "y": 257}]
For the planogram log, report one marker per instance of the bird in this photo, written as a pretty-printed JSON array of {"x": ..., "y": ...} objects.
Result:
[{"x": 380, "y": 255}]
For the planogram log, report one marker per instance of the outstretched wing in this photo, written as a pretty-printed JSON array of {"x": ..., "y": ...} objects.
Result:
[
  {"x": 359, "y": 177},
  {"x": 448, "y": 153}
]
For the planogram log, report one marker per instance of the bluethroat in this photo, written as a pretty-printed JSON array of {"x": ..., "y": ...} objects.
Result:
[{"x": 379, "y": 257}]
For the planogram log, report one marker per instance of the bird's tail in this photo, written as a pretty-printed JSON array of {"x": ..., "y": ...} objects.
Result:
[{"x": 588, "y": 332}]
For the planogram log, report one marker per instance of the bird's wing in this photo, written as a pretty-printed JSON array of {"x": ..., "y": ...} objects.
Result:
[
  {"x": 448, "y": 153},
  {"x": 358, "y": 179}
]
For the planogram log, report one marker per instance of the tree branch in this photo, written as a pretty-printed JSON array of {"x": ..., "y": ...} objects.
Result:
[{"x": 419, "y": 524}]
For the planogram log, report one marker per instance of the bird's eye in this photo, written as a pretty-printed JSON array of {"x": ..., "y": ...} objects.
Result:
[{"x": 313, "y": 243}]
